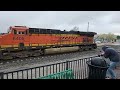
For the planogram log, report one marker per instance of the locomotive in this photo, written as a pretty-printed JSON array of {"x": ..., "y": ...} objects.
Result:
[{"x": 22, "y": 41}]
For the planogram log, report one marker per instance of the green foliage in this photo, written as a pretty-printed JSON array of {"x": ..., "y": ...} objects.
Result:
[{"x": 118, "y": 37}]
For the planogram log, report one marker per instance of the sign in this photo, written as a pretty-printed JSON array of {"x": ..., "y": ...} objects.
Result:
[{"x": 18, "y": 38}]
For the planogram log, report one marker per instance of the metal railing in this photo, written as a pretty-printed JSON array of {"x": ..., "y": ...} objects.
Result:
[{"x": 79, "y": 68}]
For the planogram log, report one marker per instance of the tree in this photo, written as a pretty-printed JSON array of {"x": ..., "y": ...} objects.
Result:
[
  {"x": 102, "y": 37},
  {"x": 110, "y": 37},
  {"x": 118, "y": 37},
  {"x": 107, "y": 37}
]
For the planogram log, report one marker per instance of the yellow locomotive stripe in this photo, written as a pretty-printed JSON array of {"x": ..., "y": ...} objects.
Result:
[
  {"x": 15, "y": 46},
  {"x": 4, "y": 46},
  {"x": 56, "y": 34},
  {"x": 34, "y": 44},
  {"x": 26, "y": 45},
  {"x": 47, "y": 45}
]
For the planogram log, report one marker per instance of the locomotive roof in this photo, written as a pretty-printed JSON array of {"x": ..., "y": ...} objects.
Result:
[
  {"x": 53, "y": 31},
  {"x": 19, "y": 27},
  {"x": 87, "y": 32},
  {"x": 74, "y": 32},
  {"x": 44, "y": 29}
]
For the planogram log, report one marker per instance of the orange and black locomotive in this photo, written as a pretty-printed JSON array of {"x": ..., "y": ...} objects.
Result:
[{"x": 25, "y": 41}]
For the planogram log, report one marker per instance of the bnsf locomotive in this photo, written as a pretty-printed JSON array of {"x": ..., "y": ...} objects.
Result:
[{"x": 24, "y": 41}]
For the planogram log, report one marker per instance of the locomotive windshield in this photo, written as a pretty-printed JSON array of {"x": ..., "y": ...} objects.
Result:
[{"x": 9, "y": 31}]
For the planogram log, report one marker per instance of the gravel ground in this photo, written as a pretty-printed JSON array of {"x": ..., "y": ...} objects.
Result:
[
  {"x": 20, "y": 64},
  {"x": 45, "y": 60}
]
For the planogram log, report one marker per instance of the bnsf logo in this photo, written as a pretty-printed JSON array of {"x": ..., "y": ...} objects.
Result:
[{"x": 18, "y": 38}]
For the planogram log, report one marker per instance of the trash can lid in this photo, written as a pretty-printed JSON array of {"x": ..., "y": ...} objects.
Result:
[{"x": 98, "y": 62}]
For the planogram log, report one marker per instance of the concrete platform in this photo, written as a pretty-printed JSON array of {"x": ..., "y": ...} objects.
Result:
[{"x": 117, "y": 70}]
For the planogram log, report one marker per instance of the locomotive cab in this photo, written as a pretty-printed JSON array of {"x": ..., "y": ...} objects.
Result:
[
  {"x": 19, "y": 30},
  {"x": 20, "y": 35}
]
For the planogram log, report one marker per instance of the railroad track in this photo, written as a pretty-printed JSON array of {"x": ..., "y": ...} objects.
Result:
[
  {"x": 33, "y": 58},
  {"x": 25, "y": 62}
]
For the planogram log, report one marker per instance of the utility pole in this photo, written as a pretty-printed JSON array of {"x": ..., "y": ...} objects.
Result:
[{"x": 88, "y": 27}]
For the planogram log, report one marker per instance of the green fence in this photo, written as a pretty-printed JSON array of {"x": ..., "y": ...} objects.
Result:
[{"x": 67, "y": 74}]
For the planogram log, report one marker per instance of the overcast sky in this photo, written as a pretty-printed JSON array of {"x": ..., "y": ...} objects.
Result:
[{"x": 100, "y": 21}]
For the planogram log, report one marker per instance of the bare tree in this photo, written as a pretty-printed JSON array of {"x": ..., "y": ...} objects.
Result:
[
  {"x": 111, "y": 37},
  {"x": 107, "y": 37},
  {"x": 75, "y": 28}
]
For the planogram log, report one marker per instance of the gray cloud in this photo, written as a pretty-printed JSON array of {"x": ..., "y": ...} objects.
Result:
[{"x": 100, "y": 21}]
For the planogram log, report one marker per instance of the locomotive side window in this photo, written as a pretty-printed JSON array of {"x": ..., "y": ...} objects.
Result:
[
  {"x": 23, "y": 32},
  {"x": 9, "y": 30},
  {"x": 19, "y": 32}
]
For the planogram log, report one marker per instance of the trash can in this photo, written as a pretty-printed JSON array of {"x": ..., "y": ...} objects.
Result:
[{"x": 97, "y": 68}]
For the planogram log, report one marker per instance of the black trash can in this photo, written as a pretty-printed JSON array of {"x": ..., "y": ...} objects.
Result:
[{"x": 97, "y": 68}]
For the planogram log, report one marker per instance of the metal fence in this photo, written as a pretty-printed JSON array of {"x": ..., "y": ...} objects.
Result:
[{"x": 79, "y": 68}]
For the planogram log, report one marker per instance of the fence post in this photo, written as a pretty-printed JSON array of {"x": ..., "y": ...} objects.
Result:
[
  {"x": 1, "y": 75},
  {"x": 67, "y": 65}
]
